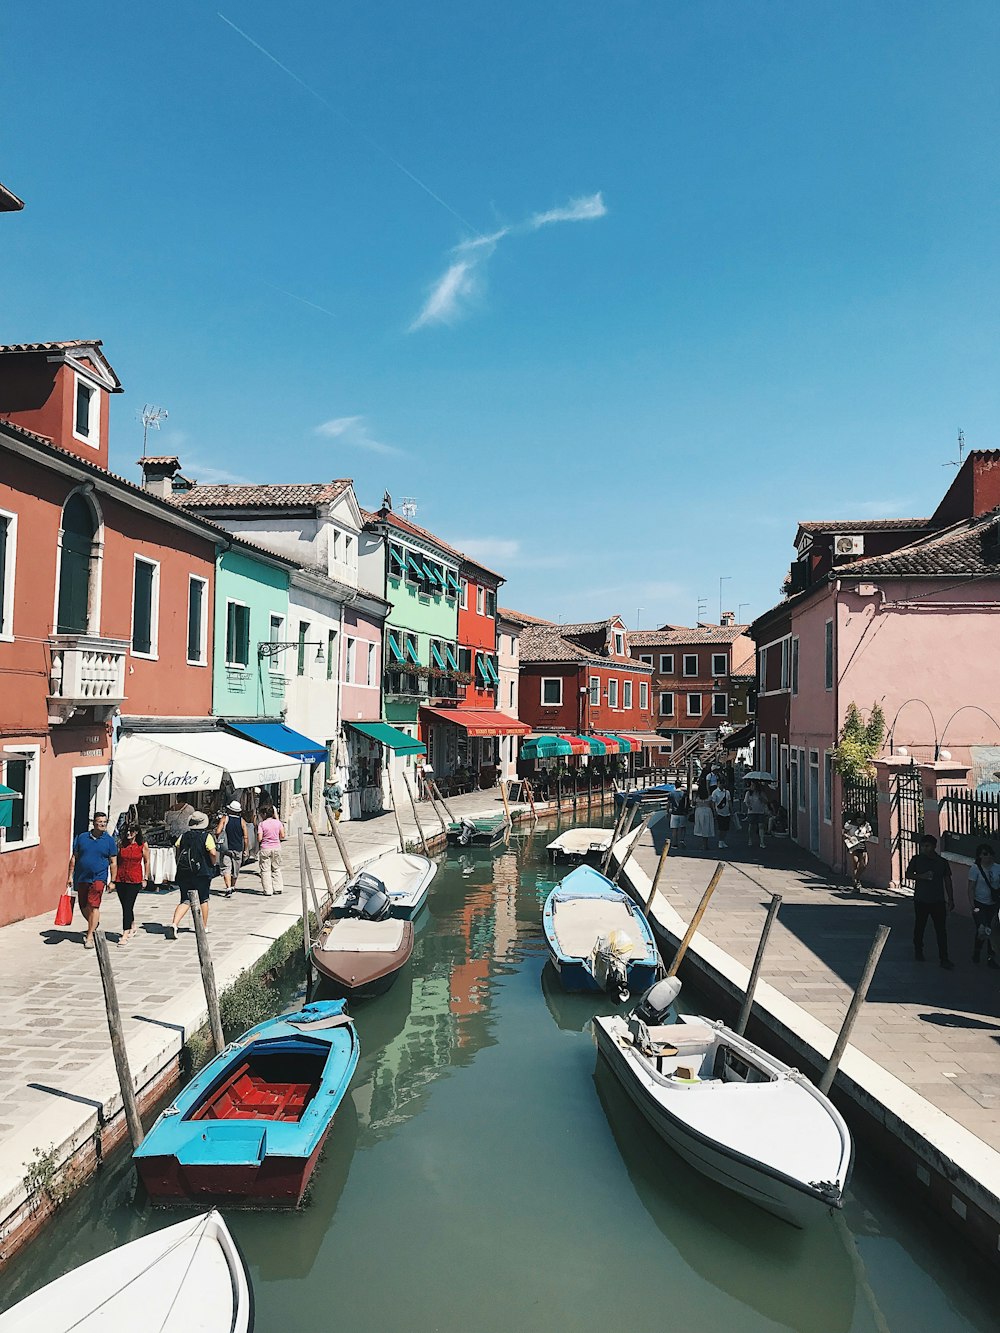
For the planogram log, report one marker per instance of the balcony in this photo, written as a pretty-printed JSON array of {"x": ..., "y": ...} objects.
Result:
[{"x": 86, "y": 672}]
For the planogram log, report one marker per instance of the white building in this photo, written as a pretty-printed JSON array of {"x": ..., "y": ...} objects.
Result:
[{"x": 509, "y": 626}]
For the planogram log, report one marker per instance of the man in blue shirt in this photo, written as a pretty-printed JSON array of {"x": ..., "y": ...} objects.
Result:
[{"x": 92, "y": 862}]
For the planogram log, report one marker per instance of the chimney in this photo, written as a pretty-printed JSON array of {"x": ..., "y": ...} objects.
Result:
[
  {"x": 727, "y": 618},
  {"x": 158, "y": 475}
]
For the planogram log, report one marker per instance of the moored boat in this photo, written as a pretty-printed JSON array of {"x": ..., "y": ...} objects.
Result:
[
  {"x": 483, "y": 831},
  {"x": 403, "y": 877},
  {"x": 734, "y": 1112},
  {"x": 360, "y": 958},
  {"x": 185, "y": 1278},
  {"x": 580, "y": 844},
  {"x": 597, "y": 937},
  {"x": 250, "y": 1125}
]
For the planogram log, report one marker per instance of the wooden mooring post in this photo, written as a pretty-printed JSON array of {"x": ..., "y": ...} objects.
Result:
[
  {"x": 413, "y": 805},
  {"x": 207, "y": 973},
  {"x": 392, "y": 798},
  {"x": 854, "y": 1008},
  {"x": 661, "y": 863},
  {"x": 319, "y": 847},
  {"x": 506, "y": 802},
  {"x": 303, "y": 892},
  {"x": 437, "y": 792},
  {"x": 682, "y": 948},
  {"x": 772, "y": 912},
  {"x": 118, "y": 1039},
  {"x": 630, "y": 849},
  {"x": 614, "y": 837}
]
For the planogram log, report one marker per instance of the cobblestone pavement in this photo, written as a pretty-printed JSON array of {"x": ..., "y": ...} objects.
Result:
[{"x": 937, "y": 1031}]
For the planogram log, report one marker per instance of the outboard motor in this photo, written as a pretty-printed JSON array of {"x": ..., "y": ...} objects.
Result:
[
  {"x": 367, "y": 898},
  {"x": 467, "y": 833},
  {"x": 659, "y": 1004}
]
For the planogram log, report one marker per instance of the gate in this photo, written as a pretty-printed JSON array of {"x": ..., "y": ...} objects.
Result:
[{"x": 909, "y": 815}]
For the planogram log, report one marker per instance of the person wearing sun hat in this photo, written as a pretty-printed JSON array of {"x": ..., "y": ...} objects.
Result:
[
  {"x": 237, "y": 839},
  {"x": 196, "y": 858}
]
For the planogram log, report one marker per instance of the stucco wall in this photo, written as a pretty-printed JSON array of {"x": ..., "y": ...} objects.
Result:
[{"x": 256, "y": 690}]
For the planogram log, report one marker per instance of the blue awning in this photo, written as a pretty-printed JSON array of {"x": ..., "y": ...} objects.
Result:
[{"x": 276, "y": 736}]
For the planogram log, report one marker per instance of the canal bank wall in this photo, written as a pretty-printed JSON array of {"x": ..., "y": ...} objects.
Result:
[{"x": 940, "y": 1163}]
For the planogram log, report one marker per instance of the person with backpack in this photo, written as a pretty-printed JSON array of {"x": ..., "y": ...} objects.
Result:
[
  {"x": 678, "y": 817},
  {"x": 723, "y": 803},
  {"x": 984, "y": 898},
  {"x": 196, "y": 857}
]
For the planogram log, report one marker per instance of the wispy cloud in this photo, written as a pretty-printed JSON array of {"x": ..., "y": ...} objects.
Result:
[
  {"x": 508, "y": 553},
  {"x": 354, "y": 433},
  {"x": 209, "y": 475},
  {"x": 453, "y": 294}
]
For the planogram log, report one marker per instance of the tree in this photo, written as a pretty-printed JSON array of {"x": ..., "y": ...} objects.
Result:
[{"x": 859, "y": 742}]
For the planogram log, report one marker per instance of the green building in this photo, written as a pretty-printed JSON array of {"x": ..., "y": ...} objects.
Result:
[{"x": 251, "y": 608}]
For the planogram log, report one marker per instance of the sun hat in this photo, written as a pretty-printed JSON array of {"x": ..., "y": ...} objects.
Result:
[
  {"x": 198, "y": 821},
  {"x": 234, "y": 808}
]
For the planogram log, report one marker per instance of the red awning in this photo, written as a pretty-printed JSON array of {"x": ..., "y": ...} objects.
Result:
[
  {"x": 480, "y": 721},
  {"x": 576, "y": 743}
]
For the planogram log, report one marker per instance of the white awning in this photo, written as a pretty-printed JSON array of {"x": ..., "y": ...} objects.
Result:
[{"x": 190, "y": 761}]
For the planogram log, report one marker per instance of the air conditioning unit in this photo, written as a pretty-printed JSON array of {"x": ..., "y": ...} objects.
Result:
[{"x": 849, "y": 545}]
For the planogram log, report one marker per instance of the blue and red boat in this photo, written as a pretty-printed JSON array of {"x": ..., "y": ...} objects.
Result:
[{"x": 250, "y": 1126}]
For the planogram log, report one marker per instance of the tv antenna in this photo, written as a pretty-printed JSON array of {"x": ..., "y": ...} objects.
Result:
[
  {"x": 702, "y": 609},
  {"x": 409, "y": 507},
  {"x": 961, "y": 451},
  {"x": 151, "y": 416}
]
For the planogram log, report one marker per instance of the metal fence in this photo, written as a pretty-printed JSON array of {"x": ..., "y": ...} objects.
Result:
[
  {"x": 973, "y": 814},
  {"x": 861, "y": 794}
]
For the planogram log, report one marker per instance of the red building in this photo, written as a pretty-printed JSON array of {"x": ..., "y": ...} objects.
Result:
[
  {"x": 477, "y": 633},
  {"x": 582, "y": 679},
  {"x": 105, "y": 603}
]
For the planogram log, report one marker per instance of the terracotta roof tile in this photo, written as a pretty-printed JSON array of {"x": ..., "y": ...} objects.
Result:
[
  {"x": 401, "y": 524},
  {"x": 863, "y": 524},
  {"x": 521, "y": 617},
  {"x": 655, "y": 638},
  {"x": 236, "y": 495},
  {"x": 16, "y": 349},
  {"x": 970, "y": 549},
  {"x": 545, "y": 642}
]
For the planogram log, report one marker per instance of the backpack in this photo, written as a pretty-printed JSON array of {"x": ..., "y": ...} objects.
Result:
[{"x": 191, "y": 858}]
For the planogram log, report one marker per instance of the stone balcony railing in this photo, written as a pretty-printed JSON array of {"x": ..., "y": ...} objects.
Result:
[{"x": 86, "y": 672}]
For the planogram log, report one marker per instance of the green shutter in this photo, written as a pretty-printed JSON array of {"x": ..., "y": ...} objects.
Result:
[
  {"x": 196, "y": 597},
  {"x": 449, "y": 652},
  {"x": 4, "y": 525},
  {"x": 142, "y": 607},
  {"x": 411, "y": 652},
  {"x": 436, "y": 655},
  {"x": 394, "y": 648}
]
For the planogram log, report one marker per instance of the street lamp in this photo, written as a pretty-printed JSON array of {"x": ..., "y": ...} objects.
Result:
[{"x": 272, "y": 647}]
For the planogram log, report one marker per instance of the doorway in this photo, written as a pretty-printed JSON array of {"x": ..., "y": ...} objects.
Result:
[
  {"x": 88, "y": 788},
  {"x": 814, "y": 801}
]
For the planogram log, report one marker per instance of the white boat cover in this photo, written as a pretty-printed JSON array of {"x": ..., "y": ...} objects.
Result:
[
  {"x": 579, "y": 921},
  {"x": 350, "y": 934},
  {"x": 579, "y": 841}
]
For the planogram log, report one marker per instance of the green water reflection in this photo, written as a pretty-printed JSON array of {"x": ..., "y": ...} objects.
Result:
[{"x": 487, "y": 1170}]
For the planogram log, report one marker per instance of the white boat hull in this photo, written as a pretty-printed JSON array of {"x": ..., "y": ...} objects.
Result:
[{"x": 405, "y": 877}]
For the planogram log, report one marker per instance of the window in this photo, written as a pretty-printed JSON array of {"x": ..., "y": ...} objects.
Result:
[
  {"x": 552, "y": 690},
  {"x": 463, "y": 600},
  {"x": 720, "y": 664},
  {"x": 197, "y": 620},
  {"x": 690, "y": 664},
  {"x": 465, "y": 660},
  {"x": 644, "y": 695},
  {"x": 237, "y": 634},
  {"x": 828, "y": 788},
  {"x": 397, "y": 561},
  {"x": 762, "y": 669},
  {"x": 595, "y": 691},
  {"x": 275, "y": 634},
  {"x": 87, "y": 418},
  {"x": 8, "y": 543},
  {"x": 348, "y": 549},
  {"x": 646, "y": 659},
  {"x": 795, "y": 665},
  {"x": 666, "y": 664},
  {"x": 145, "y": 606},
  {"x": 19, "y": 771},
  {"x": 694, "y": 705},
  {"x": 828, "y": 655},
  {"x": 372, "y": 665},
  {"x": 300, "y": 666},
  {"x": 786, "y": 663},
  {"x": 480, "y": 600},
  {"x": 666, "y": 703},
  {"x": 511, "y": 701},
  {"x": 619, "y": 644},
  {"x": 612, "y": 694},
  {"x": 626, "y": 694},
  {"x": 351, "y": 669},
  {"x": 720, "y": 705},
  {"x": 79, "y": 556},
  {"x": 336, "y": 544},
  {"x": 751, "y": 701},
  {"x": 491, "y": 603},
  {"x": 331, "y": 653},
  {"x": 802, "y": 774}
]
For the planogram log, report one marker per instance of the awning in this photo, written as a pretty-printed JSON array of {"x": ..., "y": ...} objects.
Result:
[
  {"x": 9, "y": 794},
  {"x": 480, "y": 721},
  {"x": 183, "y": 762},
  {"x": 276, "y": 736},
  {"x": 7, "y": 798},
  {"x": 436, "y": 655},
  {"x": 389, "y": 737},
  {"x": 577, "y": 744},
  {"x": 644, "y": 738},
  {"x": 452, "y": 580},
  {"x": 411, "y": 652},
  {"x": 627, "y": 743},
  {"x": 394, "y": 648},
  {"x": 449, "y": 652}
]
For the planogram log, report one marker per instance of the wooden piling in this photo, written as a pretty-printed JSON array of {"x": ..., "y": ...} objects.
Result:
[
  {"x": 857, "y": 1000},
  {"x": 416, "y": 816},
  {"x": 303, "y": 893},
  {"x": 682, "y": 948},
  {"x": 506, "y": 802},
  {"x": 661, "y": 863},
  {"x": 437, "y": 792},
  {"x": 614, "y": 838},
  {"x": 772, "y": 912},
  {"x": 118, "y": 1039},
  {"x": 207, "y": 973},
  {"x": 319, "y": 847},
  {"x": 630, "y": 849},
  {"x": 395, "y": 811}
]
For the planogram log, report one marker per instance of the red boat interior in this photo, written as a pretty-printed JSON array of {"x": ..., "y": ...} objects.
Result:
[{"x": 265, "y": 1087}]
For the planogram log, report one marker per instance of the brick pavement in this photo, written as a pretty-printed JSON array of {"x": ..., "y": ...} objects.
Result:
[{"x": 936, "y": 1031}]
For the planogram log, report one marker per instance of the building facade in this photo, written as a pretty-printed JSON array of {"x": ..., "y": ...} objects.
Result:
[{"x": 509, "y": 626}]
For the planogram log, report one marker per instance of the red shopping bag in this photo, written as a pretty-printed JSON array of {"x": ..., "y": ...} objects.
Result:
[{"x": 64, "y": 912}]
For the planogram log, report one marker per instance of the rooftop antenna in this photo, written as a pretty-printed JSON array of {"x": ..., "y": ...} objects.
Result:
[
  {"x": 961, "y": 451},
  {"x": 409, "y": 508},
  {"x": 151, "y": 416},
  {"x": 702, "y": 608},
  {"x": 739, "y": 613}
]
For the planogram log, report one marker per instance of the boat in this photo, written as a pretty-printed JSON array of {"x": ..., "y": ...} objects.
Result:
[
  {"x": 404, "y": 877},
  {"x": 360, "y": 958},
  {"x": 185, "y": 1278},
  {"x": 598, "y": 939},
  {"x": 734, "y": 1113},
  {"x": 483, "y": 831},
  {"x": 659, "y": 795},
  {"x": 249, "y": 1127},
  {"x": 580, "y": 844}
]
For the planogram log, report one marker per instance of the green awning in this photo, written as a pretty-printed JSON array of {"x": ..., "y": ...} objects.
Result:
[
  {"x": 452, "y": 581},
  {"x": 492, "y": 671},
  {"x": 545, "y": 747},
  {"x": 390, "y": 737},
  {"x": 7, "y": 798},
  {"x": 394, "y": 648},
  {"x": 397, "y": 552},
  {"x": 432, "y": 573},
  {"x": 438, "y": 659},
  {"x": 411, "y": 652},
  {"x": 415, "y": 565},
  {"x": 481, "y": 668},
  {"x": 452, "y": 656}
]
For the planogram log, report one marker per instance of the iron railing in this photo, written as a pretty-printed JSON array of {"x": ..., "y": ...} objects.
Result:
[
  {"x": 973, "y": 814},
  {"x": 861, "y": 794}
]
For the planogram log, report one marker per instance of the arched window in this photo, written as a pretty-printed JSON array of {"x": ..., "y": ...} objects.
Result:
[{"x": 76, "y": 565}]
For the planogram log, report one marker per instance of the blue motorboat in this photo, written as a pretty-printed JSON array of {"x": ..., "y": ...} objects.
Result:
[
  {"x": 249, "y": 1127},
  {"x": 597, "y": 937},
  {"x": 641, "y": 794}
]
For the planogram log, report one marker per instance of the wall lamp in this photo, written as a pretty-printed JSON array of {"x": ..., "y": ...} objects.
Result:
[{"x": 271, "y": 648}]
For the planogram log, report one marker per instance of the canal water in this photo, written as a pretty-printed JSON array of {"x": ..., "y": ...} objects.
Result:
[{"x": 486, "y": 1172}]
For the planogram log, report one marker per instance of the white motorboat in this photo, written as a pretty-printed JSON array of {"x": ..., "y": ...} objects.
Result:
[
  {"x": 188, "y": 1278},
  {"x": 734, "y": 1113},
  {"x": 577, "y": 844},
  {"x": 404, "y": 878}
]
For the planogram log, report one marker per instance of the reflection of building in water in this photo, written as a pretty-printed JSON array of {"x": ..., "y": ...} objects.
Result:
[{"x": 505, "y": 882}]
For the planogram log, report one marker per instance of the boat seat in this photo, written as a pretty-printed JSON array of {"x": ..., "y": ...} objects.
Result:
[{"x": 684, "y": 1037}]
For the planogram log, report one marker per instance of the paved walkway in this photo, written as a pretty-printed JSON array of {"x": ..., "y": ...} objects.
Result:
[
  {"x": 56, "y": 1069},
  {"x": 937, "y": 1031}
]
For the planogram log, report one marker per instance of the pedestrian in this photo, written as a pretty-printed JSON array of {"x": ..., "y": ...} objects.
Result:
[
  {"x": 271, "y": 832},
  {"x": 132, "y": 874},
  {"x": 933, "y": 898},
  {"x": 543, "y": 782},
  {"x": 704, "y": 814},
  {"x": 196, "y": 857},
  {"x": 177, "y": 818},
  {"x": 984, "y": 898},
  {"x": 219, "y": 824},
  {"x": 712, "y": 779},
  {"x": 678, "y": 817},
  {"x": 237, "y": 839},
  {"x": 93, "y": 862},
  {"x": 723, "y": 804},
  {"x": 857, "y": 831},
  {"x": 333, "y": 796},
  {"x": 757, "y": 810}
]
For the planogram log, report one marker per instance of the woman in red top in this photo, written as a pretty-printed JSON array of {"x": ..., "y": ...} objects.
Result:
[{"x": 133, "y": 875}]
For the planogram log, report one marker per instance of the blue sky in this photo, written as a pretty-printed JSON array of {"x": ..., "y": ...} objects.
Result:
[{"x": 618, "y": 292}]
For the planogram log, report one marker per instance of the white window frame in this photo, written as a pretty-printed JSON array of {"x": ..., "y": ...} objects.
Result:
[
  {"x": 203, "y": 627},
  {"x": 786, "y": 663},
  {"x": 795, "y": 664},
  {"x": 627, "y": 694},
  {"x": 463, "y": 597},
  {"x": 700, "y": 696},
  {"x": 154, "y": 611},
  {"x": 646, "y": 659},
  {"x": 619, "y": 643},
  {"x": 277, "y": 633},
  {"x": 666, "y": 670},
  {"x": 782, "y": 775},
  {"x": 7, "y": 591},
  {"x": 716, "y": 669},
  {"x": 93, "y": 436},
  {"x": 613, "y": 692},
  {"x": 644, "y": 695},
  {"x": 351, "y": 661},
  {"x": 689, "y": 657},
  {"x": 236, "y": 666},
  {"x": 667, "y": 712},
  {"x": 550, "y": 680},
  {"x": 372, "y": 663},
  {"x": 724, "y": 711},
  {"x": 33, "y": 755},
  {"x": 480, "y": 600},
  {"x": 595, "y": 691}
]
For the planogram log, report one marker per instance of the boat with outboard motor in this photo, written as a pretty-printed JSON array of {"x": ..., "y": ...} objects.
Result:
[
  {"x": 482, "y": 831},
  {"x": 580, "y": 844},
  {"x": 403, "y": 877},
  {"x": 597, "y": 937},
  {"x": 185, "y": 1278},
  {"x": 732, "y": 1111},
  {"x": 361, "y": 954}
]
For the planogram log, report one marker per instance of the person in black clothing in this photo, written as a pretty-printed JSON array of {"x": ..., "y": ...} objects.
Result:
[
  {"x": 196, "y": 860},
  {"x": 933, "y": 898}
]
